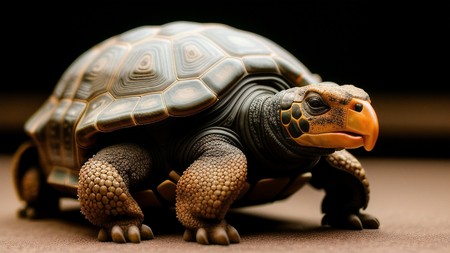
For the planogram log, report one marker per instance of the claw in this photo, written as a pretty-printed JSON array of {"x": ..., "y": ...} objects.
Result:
[
  {"x": 117, "y": 234},
  {"x": 146, "y": 232},
  {"x": 134, "y": 235},
  {"x": 219, "y": 236},
  {"x": 102, "y": 235},
  {"x": 233, "y": 234},
  {"x": 369, "y": 221},
  {"x": 356, "y": 221},
  {"x": 201, "y": 236},
  {"x": 188, "y": 236}
]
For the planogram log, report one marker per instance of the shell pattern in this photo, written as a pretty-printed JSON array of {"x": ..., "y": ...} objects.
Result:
[{"x": 146, "y": 75}]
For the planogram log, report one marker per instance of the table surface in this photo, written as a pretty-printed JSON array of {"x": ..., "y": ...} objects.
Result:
[{"x": 411, "y": 198}]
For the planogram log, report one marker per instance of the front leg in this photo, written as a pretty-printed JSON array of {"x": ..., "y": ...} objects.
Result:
[
  {"x": 208, "y": 187},
  {"x": 347, "y": 191},
  {"x": 103, "y": 192}
]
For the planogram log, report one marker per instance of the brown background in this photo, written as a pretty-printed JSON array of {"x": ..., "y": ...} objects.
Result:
[{"x": 410, "y": 197}]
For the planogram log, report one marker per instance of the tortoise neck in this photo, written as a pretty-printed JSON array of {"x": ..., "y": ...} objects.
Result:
[{"x": 266, "y": 136}]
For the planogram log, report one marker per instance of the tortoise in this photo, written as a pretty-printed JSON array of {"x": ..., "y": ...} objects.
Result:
[{"x": 200, "y": 118}]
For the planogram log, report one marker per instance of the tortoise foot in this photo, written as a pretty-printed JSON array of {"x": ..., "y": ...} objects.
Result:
[
  {"x": 123, "y": 234},
  {"x": 33, "y": 212},
  {"x": 222, "y": 234},
  {"x": 355, "y": 221}
]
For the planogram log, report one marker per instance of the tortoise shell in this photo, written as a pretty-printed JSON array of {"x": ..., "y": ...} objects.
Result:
[{"x": 148, "y": 75}]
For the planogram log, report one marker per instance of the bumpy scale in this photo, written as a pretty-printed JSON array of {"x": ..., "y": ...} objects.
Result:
[{"x": 208, "y": 188}]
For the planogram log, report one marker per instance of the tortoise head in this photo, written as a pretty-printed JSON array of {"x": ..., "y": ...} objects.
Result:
[{"x": 327, "y": 115}]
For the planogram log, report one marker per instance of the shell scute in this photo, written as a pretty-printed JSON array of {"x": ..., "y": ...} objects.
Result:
[
  {"x": 236, "y": 43},
  {"x": 35, "y": 124},
  {"x": 71, "y": 118},
  {"x": 69, "y": 82},
  {"x": 222, "y": 76},
  {"x": 147, "y": 68},
  {"x": 87, "y": 126},
  {"x": 100, "y": 72},
  {"x": 54, "y": 130},
  {"x": 293, "y": 71},
  {"x": 150, "y": 109},
  {"x": 260, "y": 64},
  {"x": 188, "y": 97},
  {"x": 193, "y": 55},
  {"x": 176, "y": 28},
  {"x": 117, "y": 114},
  {"x": 136, "y": 34}
]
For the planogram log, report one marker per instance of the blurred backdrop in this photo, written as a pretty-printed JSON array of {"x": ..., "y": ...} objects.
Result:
[{"x": 398, "y": 53}]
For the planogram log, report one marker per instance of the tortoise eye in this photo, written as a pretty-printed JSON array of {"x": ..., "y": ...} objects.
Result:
[{"x": 315, "y": 105}]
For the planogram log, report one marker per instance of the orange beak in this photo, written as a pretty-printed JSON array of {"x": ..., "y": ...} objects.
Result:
[
  {"x": 361, "y": 129},
  {"x": 362, "y": 120}
]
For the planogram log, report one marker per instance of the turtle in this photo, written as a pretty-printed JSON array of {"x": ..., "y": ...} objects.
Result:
[{"x": 199, "y": 118}]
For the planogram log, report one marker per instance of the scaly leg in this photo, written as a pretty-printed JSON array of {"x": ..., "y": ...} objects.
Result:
[
  {"x": 347, "y": 191},
  {"x": 207, "y": 188},
  {"x": 42, "y": 201},
  {"x": 103, "y": 192}
]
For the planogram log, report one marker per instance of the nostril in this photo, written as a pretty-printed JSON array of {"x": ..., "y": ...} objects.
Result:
[{"x": 358, "y": 107}]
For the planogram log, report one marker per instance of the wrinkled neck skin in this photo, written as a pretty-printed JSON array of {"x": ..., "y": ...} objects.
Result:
[{"x": 267, "y": 138}]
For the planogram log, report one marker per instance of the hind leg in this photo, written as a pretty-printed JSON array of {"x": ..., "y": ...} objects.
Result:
[
  {"x": 104, "y": 192},
  {"x": 41, "y": 201},
  {"x": 207, "y": 189}
]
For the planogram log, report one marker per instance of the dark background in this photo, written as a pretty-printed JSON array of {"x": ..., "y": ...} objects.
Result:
[{"x": 397, "y": 52}]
